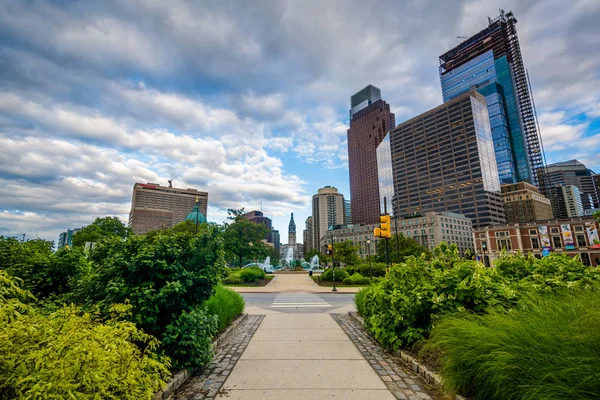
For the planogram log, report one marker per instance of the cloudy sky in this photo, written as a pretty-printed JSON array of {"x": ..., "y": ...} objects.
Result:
[{"x": 247, "y": 100}]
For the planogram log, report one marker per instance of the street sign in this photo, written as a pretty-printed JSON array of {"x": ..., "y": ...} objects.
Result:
[{"x": 546, "y": 252}]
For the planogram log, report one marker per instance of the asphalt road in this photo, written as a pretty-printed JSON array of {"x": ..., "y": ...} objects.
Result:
[{"x": 299, "y": 302}]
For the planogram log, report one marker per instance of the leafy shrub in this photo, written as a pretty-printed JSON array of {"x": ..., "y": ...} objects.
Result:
[
  {"x": 547, "y": 348},
  {"x": 351, "y": 269},
  {"x": 252, "y": 274},
  {"x": 401, "y": 308},
  {"x": 359, "y": 301},
  {"x": 357, "y": 279},
  {"x": 164, "y": 276},
  {"x": 340, "y": 275},
  {"x": 69, "y": 355},
  {"x": 188, "y": 338},
  {"x": 226, "y": 304},
  {"x": 234, "y": 278},
  {"x": 376, "y": 269}
]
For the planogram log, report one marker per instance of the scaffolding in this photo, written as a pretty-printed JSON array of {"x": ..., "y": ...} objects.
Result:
[{"x": 501, "y": 37}]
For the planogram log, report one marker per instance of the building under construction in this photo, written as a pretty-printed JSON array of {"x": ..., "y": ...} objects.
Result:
[{"x": 490, "y": 61}]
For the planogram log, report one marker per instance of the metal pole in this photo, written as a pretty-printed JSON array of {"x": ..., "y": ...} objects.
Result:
[
  {"x": 369, "y": 257},
  {"x": 397, "y": 239},
  {"x": 387, "y": 247},
  {"x": 333, "y": 265}
]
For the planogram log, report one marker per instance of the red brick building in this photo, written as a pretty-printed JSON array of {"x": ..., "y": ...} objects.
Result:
[
  {"x": 370, "y": 120},
  {"x": 572, "y": 236}
]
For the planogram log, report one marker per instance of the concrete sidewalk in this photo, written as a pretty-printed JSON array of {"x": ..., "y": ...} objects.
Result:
[
  {"x": 290, "y": 283},
  {"x": 302, "y": 356}
]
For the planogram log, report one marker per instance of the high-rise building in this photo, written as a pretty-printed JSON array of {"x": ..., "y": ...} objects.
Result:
[
  {"x": 370, "y": 120},
  {"x": 575, "y": 173},
  {"x": 156, "y": 207},
  {"x": 327, "y": 212},
  {"x": 297, "y": 249},
  {"x": 566, "y": 201},
  {"x": 66, "y": 238},
  {"x": 347, "y": 212},
  {"x": 275, "y": 239},
  {"x": 258, "y": 217},
  {"x": 443, "y": 160},
  {"x": 308, "y": 235},
  {"x": 524, "y": 203},
  {"x": 490, "y": 62}
]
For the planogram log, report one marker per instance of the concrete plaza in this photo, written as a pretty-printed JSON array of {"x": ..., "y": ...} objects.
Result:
[{"x": 290, "y": 283}]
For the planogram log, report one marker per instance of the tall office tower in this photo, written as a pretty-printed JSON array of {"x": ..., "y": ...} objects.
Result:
[
  {"x": 292, "y": 232},
  {"x": 370, "y": 120},
  {"x": 490, "y": 61},
  {"x": 443, "y": 160},
  {"x": 327, "y": 212},
  {"x": 156, "y": 207},
  {"x": 347, "y": 212},
  {"x": 573, "y": 172},
  {"x": 566, "y": 201},
  {"x": 258, "y": 217},
  {"x": 66, "y": 238},
  {"x": 275, "y": 239},
  {"x": 524, "y": 203},
  {"x": 308, "y": 235}
]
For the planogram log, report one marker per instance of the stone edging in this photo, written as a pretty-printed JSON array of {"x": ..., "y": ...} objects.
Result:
[
  {"x": 428, "y": 376},
  {"x": 182, "y": 376}
]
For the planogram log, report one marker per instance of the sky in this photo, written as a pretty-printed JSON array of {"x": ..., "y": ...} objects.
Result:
[{"x": 245, "y": 100}]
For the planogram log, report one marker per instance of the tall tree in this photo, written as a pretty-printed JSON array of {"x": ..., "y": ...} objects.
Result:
[
  {"x": 408, "y": 247},
  {"x": 101, "y": 227},
  {"x": 346, "y": 252},
  {"x": 244, "y": 239}
]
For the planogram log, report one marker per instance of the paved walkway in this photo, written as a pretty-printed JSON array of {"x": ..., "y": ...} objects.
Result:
[
  {"x": 302, "y": 356},
  {"x": 290, "y": 283}
]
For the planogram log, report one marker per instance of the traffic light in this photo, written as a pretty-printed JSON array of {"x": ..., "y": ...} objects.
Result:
[
  {"x": 384, "y": 226},
  {"x": 329, "y": 249}
]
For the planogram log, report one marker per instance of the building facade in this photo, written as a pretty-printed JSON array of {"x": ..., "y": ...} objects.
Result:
[
  {"x": 275, "y": 239},
  {"x": 444, "y": 160},
  {"x": 575, "y": 173},
  {"x": 524, "y": 203},
  {"x": 156, "y": 207},
  {"x": 297, "y": 248},
  {"x": 566, "y": 201},
  {"x": 258, "y": 217},
  {"x": 347, "y": 212},
  {"x": 66, "y": 238},
  {"x": 490, "y": 62},
  {"x": 327, "y": 211},
  {"x": 370, "y": 120},
  {"x": 307, "y": 235},
  {"x": 572, "y": 236},
  {"x": 429, "y": 230}
]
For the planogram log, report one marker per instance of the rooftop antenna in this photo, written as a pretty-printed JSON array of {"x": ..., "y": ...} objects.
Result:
[
  {"x": 170, "y": 183},
  {"x": 462, "y": 37}
]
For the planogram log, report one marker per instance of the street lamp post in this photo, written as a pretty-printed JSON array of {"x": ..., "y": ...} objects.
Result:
[
  {"x": 369, "y": 257},
  {"x": 333, "y": 264}
]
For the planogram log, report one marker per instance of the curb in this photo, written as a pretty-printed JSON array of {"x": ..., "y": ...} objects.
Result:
[
  {"x": 428, "y": 376},
  {"x": 181, "y": 377}
]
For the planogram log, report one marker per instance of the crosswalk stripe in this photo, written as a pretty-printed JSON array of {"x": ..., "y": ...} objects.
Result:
[
  {"x": 301, "y": 306},
  {"x": 296, "y": 301}
]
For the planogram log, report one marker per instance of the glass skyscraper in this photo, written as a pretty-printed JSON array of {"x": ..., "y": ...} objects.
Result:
[{"x": 490, "y": 62}]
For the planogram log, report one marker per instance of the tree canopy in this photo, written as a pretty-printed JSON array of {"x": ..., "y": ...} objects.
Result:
[
  {"x": 101, "y": 227},
  {"x": 408, "y": 247},
  {"x": 244, "y": 239}
]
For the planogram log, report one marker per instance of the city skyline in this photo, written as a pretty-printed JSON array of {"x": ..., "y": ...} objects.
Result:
[{"x": 99, "y": 96}]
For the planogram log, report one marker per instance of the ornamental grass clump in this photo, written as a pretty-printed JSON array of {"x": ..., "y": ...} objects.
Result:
[
  {"x": 548, "y": 347},
  {"x": 225, "y": 304}
]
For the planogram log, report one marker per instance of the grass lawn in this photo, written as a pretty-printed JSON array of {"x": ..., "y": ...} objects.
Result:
[{"x": 262, "y": 282}]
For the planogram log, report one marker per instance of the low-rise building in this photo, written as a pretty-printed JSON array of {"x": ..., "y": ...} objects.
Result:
[
  {"x": 429, "y": 230},
  {"x": 572, "y": 236}
]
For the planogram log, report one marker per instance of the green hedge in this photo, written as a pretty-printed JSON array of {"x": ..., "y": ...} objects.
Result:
[
  {"x": 547, "y": 348},
  {"x": 357, "y": 279},
  {"x": 245, "y": 275},
  {"x": 401, "y": 308},
  {"x": 340, "y": 275},
  {"x": 68, "y": 354},
  {"x": 226, "y": 304}
]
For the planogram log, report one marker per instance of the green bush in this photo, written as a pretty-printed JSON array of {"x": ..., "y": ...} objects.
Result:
[
  {"x": 401, "y": 308},
  {"x": 357, "y": 279},
  {"x": 546, "y": 348},
  {"x": 376, "y": 269},
  {"x": 188, "y": 338},
  {"x": 252, "y": 274},
  {"x": 340, "y": 275},
  {"x": 165, "y": 276},
  {"x": 226, "y": 304},
  {"x": 68, "y": 354},
  {"x": 234, "y": 278},
  {"x": 359, "y": 301}
]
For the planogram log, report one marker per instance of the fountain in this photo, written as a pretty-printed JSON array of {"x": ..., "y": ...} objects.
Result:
[
  {"x": 313, "y": 265},
  {"x": 289, "y": 257}
]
